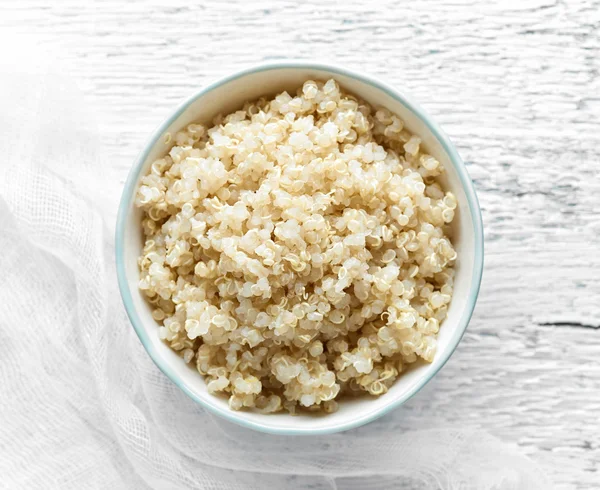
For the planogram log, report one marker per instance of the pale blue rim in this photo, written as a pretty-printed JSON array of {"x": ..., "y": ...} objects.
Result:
[{"x": 475, "y": 211}]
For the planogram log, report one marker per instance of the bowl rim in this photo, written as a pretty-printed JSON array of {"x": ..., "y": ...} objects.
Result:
[{"x": 129, "y": 193}]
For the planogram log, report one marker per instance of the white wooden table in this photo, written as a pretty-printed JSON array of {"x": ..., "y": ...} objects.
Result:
[{"x": 516, "y": 85}]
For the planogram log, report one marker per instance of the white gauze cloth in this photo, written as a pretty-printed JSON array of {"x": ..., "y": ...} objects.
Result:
[{"x": 81, "y": 403}]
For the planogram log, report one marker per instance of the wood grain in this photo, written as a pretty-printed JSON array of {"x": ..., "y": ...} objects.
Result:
[{"x": 515, "y": 84}]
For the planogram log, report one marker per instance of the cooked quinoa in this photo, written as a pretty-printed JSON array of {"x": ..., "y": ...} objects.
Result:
[{"x": 298, "y": 249}]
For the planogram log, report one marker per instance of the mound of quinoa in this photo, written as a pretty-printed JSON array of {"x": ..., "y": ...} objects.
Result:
[{"x": 297, "y": 250}]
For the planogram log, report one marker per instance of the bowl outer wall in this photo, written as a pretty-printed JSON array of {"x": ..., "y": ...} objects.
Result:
[{"x": 467, "y": 185}]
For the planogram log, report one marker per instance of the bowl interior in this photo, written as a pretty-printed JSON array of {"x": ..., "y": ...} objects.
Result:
[{"x": 229, "y": 95}]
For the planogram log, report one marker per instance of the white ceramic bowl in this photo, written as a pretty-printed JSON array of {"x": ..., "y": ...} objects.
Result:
[{"x": 229, "y": 94}]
